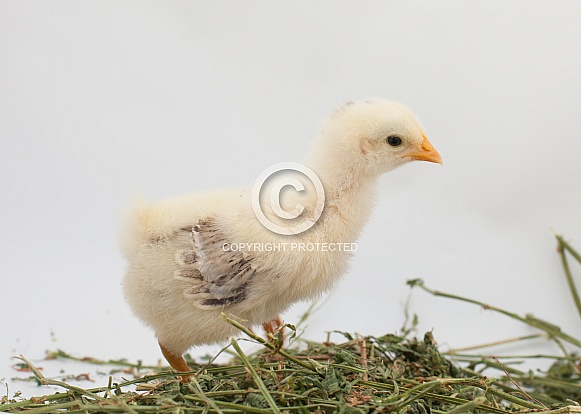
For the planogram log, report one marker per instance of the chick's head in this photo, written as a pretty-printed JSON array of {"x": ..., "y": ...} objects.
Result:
[{"x": 372, "y": 137}]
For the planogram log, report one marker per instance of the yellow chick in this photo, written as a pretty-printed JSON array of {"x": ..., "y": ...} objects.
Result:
[{"x": 193, "y": 257}]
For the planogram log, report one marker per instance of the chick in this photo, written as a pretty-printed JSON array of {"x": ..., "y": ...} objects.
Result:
[{"x": 183, "y": 271}]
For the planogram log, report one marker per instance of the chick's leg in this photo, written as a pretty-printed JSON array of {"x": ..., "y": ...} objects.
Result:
[
  {"x": 270, "y": 328},
  {"x": 177, "y": 362}
]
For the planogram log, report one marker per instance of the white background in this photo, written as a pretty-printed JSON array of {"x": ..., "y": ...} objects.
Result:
[{"x": 101, "y": 100}]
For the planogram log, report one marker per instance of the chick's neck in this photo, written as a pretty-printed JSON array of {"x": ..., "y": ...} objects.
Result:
[{"x": 349, "y": 200}]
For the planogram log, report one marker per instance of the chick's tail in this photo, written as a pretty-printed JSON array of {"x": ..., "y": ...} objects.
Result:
[{"x": 136, "y": 222}]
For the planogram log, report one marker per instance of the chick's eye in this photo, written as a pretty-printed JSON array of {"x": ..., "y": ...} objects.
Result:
[{"x": 393, "y": 140}]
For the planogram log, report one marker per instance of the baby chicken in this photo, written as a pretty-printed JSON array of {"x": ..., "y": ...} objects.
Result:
[{"x": 183, "y": 272}]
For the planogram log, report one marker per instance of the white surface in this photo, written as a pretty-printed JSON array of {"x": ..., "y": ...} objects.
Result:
[{"x": 100, "y": 100}]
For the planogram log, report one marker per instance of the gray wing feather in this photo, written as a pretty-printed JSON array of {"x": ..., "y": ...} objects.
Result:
[{"x": 218, "y": 277}]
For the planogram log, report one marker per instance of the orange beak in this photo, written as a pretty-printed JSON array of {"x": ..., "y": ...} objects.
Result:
[{"x": 426, "y": 152}]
